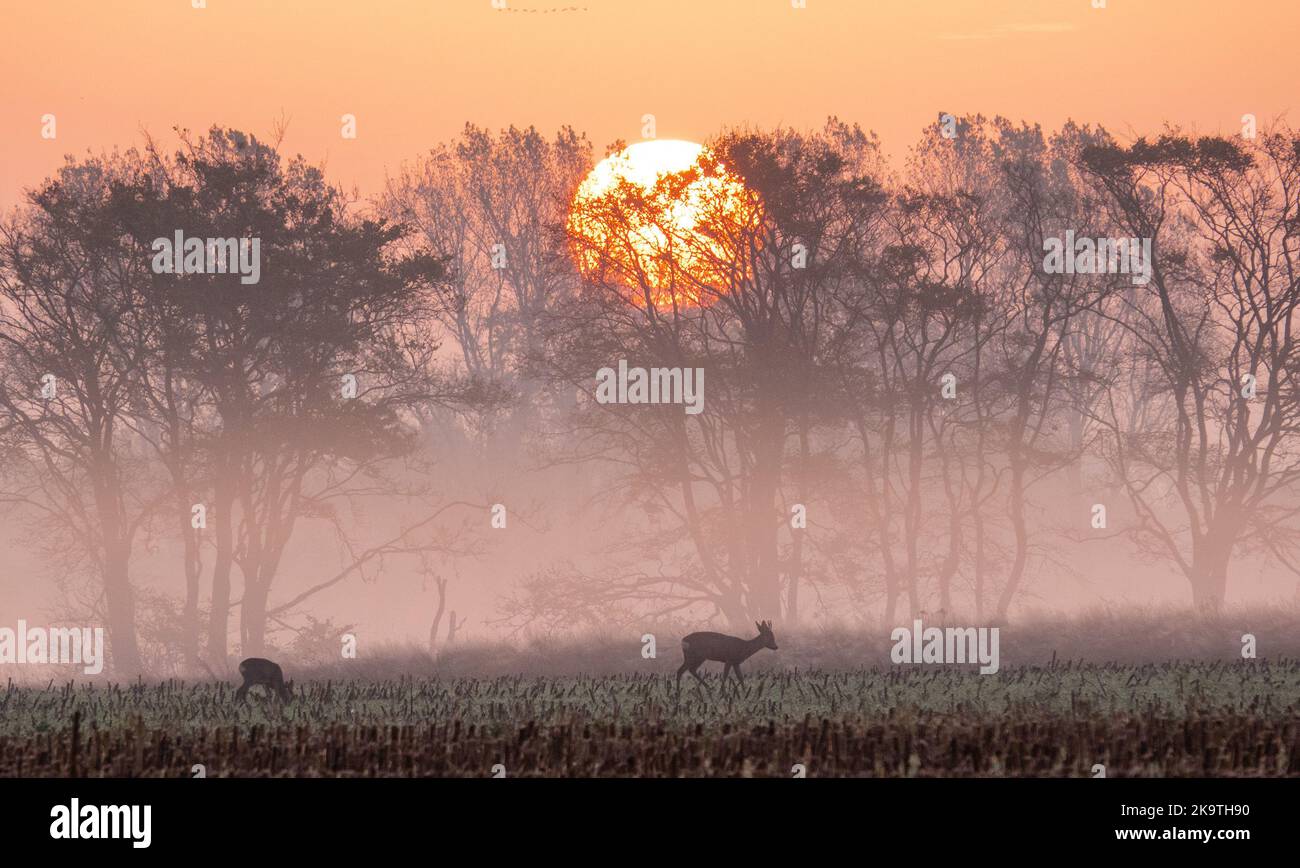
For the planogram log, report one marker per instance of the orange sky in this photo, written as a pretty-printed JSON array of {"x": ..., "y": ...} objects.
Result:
[{"x": 414, "y": 71}]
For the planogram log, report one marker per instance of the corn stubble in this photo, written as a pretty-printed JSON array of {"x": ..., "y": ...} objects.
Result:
[{"x": 1171, "y": 719}]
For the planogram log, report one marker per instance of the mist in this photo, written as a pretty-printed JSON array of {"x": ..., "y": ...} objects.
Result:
[{"x": 406, "y": 432}]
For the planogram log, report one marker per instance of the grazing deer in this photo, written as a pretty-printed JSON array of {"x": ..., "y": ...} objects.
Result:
[
  {"x": 729, "y": 650},
  {"x": 256, "y": 670}
]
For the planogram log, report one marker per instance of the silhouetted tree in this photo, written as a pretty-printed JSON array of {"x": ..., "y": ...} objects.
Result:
[
  {"x": 70, "y": 284},
  {"x": 1215, "y": 324}
]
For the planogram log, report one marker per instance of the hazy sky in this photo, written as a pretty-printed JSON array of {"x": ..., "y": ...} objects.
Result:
[{"x": 414, "y": 71}]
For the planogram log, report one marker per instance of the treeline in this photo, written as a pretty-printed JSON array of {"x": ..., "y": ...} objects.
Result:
[
  {"x": 142, "y": 404},
  {"x": 900, "y": 382},
  {"x": 912, "y": 396}
]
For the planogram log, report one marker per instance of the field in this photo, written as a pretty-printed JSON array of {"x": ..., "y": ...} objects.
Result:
[
  {"x": 1174, "y": 719},
  {"x": 1071, "y": 694}
]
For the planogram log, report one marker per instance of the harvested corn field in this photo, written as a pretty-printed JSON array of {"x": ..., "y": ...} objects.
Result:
[{"x": 1174, "y": 719}]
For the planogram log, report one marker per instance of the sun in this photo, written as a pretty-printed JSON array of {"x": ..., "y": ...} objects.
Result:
[{"x": 661, "y": 221}]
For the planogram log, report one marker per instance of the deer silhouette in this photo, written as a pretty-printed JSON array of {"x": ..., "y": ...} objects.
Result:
[
  {"x": 728, "y": 650},
  {"x": 257, "y": 670}
]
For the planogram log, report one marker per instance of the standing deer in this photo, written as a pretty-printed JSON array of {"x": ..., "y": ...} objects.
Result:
[
  {"x": 257, "y": 670},
  {"x": 729, "y": 650}
]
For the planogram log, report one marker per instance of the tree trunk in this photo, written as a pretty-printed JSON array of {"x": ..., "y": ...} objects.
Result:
[
  {"x": 1074, "y": 470},
  {"x": 437, "y": 616},
  {"x": 119, "y": 598},
  {"x": 252, "y": 615},
  {"x": 193, "y": 570},
  {"x": 1017, "y": 515},
  {"x": 219, "y": 616},
  {"x": 952, "y": 560},
  {"x": 794, "y": 568},
  {"x": 1209, "y": 578},
  {"x": 912, "y": 516},
  {"x": 893, "y": 593},
  {"x": 120, "y": 601},
  {"x": 731, "y": 606},
  {"x": 979, "y": 563},
  {"x": 764, "y": 523},
  {"x": 792, "y": 579}
]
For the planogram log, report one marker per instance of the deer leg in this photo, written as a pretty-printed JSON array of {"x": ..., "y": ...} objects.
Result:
[
  {"x": 739, "y": 677},
  {"x": 241, "y": 692},
  {"x": 726, "y": 670}
]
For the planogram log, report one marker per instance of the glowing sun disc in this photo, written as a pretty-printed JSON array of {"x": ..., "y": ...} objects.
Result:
[{"x": 654, "y": 239}]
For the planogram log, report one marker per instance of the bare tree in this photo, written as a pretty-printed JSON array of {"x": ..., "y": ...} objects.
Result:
[
  {"x": 1215, "y": 324},
  {"x": 70, "y": 283},
  {"x": 748, "y": 299}
]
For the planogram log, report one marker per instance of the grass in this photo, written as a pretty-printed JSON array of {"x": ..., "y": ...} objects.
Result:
[{"x": 1099, "y": 636}]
